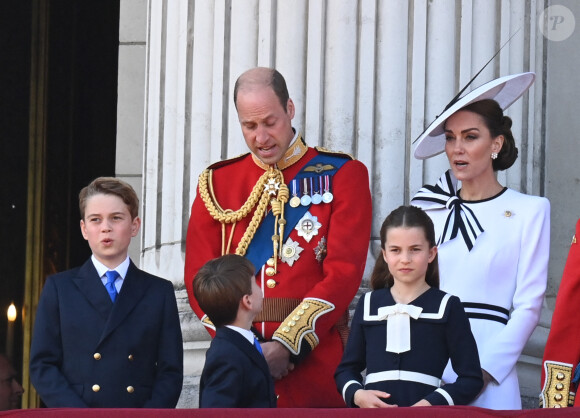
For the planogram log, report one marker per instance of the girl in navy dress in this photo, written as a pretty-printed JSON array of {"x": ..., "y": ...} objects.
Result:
[{"x": 406, "y": 330}]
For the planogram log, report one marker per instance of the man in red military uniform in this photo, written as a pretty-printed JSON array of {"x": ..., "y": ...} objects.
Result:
[
  {"x": 302, "y": 216},
  {"x": 560, "y": 373}
]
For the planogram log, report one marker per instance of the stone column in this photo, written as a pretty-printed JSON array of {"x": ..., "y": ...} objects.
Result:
[{"x": 130, "y": 101}]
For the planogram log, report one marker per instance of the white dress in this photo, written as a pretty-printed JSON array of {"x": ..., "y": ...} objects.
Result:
[{"x": 501, "y": 281}]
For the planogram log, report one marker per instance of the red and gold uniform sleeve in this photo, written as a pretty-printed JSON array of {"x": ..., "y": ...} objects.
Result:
[{"x": 562, "y": 352}]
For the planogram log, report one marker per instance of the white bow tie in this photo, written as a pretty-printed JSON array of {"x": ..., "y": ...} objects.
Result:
[{"x": 398, "y": 318}]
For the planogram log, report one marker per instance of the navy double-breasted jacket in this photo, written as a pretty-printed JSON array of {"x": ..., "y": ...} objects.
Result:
[{"x": 90, "y": 352}]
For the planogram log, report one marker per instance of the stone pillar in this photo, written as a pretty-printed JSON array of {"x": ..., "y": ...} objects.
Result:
[{"x": 130, "y": 101}]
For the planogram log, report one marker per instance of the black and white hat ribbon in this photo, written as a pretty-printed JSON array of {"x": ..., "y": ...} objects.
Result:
[{"x": 460, "y": 218}]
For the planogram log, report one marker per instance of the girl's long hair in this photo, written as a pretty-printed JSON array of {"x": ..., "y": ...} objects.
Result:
[{"x": 406, "y": 217}]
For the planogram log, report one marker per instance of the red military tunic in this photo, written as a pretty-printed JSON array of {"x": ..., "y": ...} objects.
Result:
[
  {"x": 562, "y": 352},
  {"x": 306, "y": 303}
]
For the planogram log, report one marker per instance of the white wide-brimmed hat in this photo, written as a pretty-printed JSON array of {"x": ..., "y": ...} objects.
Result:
[{"x": 504, "y": 90}]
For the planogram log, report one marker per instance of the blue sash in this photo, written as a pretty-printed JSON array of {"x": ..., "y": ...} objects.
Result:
[{"x": 260, "y": 249}]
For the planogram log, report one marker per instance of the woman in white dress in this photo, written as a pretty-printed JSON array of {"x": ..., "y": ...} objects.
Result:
[{"x": 493, "y": 241}]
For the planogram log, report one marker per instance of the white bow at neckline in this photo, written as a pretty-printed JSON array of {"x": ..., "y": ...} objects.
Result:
[{"x": 398, "y": 319}]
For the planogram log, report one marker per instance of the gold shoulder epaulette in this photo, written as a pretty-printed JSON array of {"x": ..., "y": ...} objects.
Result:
[
  {"x": 556, "y": 391},
  {"x": 574, "y": 239},
  {"x": 338, "y": 153},
  {"x": 227, "y": 161},
  {"x": 300, "y": 325}
]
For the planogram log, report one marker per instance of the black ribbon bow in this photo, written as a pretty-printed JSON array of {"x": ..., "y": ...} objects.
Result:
[{"x": 460, "y": 218}]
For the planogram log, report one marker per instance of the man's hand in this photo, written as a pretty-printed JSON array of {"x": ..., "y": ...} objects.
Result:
[
  {"x": 278, "y": 359},
  {"x": 371, "y": 399}
]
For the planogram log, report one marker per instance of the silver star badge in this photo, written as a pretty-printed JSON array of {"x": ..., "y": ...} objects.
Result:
[
  {"x": 308, "y": 226},
  {"x": 272, "y": 186},
  {"x": 291, "y": 252}
]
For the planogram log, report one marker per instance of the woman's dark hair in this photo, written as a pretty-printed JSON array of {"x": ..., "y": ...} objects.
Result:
[
  {"x": 406, "y": 217},
  {"x": 497, "y": 124}
]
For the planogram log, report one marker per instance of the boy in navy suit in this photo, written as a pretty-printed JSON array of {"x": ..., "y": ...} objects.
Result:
[
  {"x": 107, "y": 335},
  {"x": 235, "y": 374}
]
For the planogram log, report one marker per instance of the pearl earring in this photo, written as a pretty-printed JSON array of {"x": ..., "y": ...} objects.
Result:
[{"x": 493, "y": 155}]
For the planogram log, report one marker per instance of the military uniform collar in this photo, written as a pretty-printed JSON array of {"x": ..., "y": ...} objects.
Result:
[{"x": 292, "y": 155}]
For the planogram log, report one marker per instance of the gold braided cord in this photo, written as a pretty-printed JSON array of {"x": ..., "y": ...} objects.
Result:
[
  {"x": 283, "y": 196},
  {"x": 260, "y": 195},
  {"x": 278, "y": 177},
  {"x": 226, "y": 250},
  {"x": 277, "y": 205},
  {"x": 228, "y": 216},
  {"x": 224, "y": 239},
  {"x": 253, "y": 226}
]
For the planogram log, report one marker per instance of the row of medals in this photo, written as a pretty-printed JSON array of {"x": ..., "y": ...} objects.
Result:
[{"x": 310, "y": 195}]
